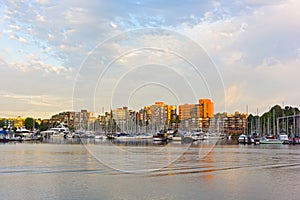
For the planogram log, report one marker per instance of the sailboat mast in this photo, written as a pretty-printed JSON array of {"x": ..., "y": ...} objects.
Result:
[{"x": 274, "y": 131}]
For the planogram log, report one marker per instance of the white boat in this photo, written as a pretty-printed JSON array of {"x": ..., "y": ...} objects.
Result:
[
  {"x": 244, "y": 139},
  {"x": 212, "y": 136},
  {"x": 177, "y": 138},
  {"x": 144, "y": 136},
  {"x": 60, "y": 131},
  {"x": 87, "y": 134},
  {"x": 284, "y": 138},
  {"x": 179, "y": 135},
  {"x": 270, "y": 141},
  {"x": 99, "y": 136}
]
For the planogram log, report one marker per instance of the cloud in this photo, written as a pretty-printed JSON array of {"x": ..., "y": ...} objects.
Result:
[
  {"x": 17, "y": 38},
  {"x": 32, "y": 104},
  {"x": 251, "y": 41},
  {"x": 38, "y": 65}
]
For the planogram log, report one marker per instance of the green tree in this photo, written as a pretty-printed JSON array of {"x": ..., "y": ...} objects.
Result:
[
  {"x": 44, "y": 126},
  {"x": 29, "y": 122},
  {"x": 2, "y": 123}
]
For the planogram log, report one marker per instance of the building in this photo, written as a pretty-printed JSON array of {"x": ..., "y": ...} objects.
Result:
[
  {"x": 121, "y": 117},
  {"x": 171, "y": 116},
  {"x": 206, "y": 108},
  {"x": 74, "y": 120},
  {"x": 9, "y": 123},
  {"x": 158, "y": 116},
  {"x": 196, "y": 116},
  {"x": 189, "y": 116},
  {"x": 231, "y": 124}
]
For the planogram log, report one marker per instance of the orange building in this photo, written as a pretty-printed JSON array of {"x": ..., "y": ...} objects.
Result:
[
  {"x": 188, "y": 111},
  {"x": 194, "y": 116},
  {"x": 206, "y": 108}
]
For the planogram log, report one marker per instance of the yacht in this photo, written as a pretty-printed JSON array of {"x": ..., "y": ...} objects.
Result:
[
  {"x": 160, "y": 137},
  {"x": 244, "y": 139},
  {"x": 270, "y": 140},
  {"x": 60, "y": 131},
  {"x": 284, "y": 138}
]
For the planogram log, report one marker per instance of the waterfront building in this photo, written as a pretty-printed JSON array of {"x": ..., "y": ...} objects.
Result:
[
  {"x": 196, "y": 116},
  {"x": 189, "y": 116},
  {"x": 206, "y": 108},
  {"x": 158, "y": 116},
  {"x": 171, "y": 115},
  {"x": 121, "y": 116},
  {"x": 231, "y": 124},
  {"x": 17, "y": 122},
  {"x": 74, "y": 120}
]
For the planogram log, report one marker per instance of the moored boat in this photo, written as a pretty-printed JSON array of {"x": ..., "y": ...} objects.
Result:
[
  {"x": 270, "y": 141},
  {"x": 3, "y": 135},
  {"x": 244, "y": 139},
  {"x": 160, "y": 137},
  {"x": 60, "y": 131}
]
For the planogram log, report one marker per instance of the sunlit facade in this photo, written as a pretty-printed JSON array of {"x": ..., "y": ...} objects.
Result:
[
  {"x": 206, "y": 108},
  {"x": 196, "y": 116}
]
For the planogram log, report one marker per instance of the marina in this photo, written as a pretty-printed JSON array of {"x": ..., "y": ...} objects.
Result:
[{"x": 89, "y": 168}]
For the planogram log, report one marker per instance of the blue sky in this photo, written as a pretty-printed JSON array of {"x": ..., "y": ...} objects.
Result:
[{"x": 68, "y": 55}]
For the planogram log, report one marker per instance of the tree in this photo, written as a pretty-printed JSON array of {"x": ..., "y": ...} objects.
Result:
[
  {"x": 29, "y": 122},
  {"x": 2, "y": 123}
]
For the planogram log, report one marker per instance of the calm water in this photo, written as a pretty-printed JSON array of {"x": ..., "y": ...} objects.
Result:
[{"x": 68, "y": 169}]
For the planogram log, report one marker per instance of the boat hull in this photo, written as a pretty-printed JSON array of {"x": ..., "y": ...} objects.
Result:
[{"x": 271, "y": 141}]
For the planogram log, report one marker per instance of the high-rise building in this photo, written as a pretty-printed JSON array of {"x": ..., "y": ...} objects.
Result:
[
  {"x": 188, "y": 111},
  {"x": 74, "y": 120},
  {"x": 171, "y": 113},
  {"x": 189, "y": 116},
  {"x": 195, "y": 116},
  {"x": 206, "y": 108},
  {"x": 158, "y": 115}
]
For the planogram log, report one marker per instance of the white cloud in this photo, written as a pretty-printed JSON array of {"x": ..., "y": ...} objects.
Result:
[
  {"x": 235, "y": 95},
  {"x": 17, "y": 38},
  {"x": 40, "y": 18},
  {"x": 252, "y": 42},
  {"x": 235, "y": 57},
  {"x": 15, "y": 27},
  {"x": 113, "y": 25},
  {"x": 43, "y": 105},
  {"x": 42, "y": 1},
  {"x": 34, "y": 64}
]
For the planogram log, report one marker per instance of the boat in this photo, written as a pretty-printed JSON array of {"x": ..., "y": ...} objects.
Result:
[
  {"x": 124, "y": 136},
  {"x": 194, "y": 136},
  {"x": 99, "y": 137},
  {"x": 212, "y": 136},
  {"x": 60, "y": 131},
  {"x": 296, "y": 139},
  {"x": 110, "y": 136},
  {"x": 284, "y": 138},
  {"x": 23, "y": 134},
  {"x": 160, "y": 137},
  {"x": 3, "y": 135},
  {"x": 256, "y": 137},
  {"x": 3, "y": 140},
  {"x": 244, "y": 139},
  {"x": 144, "y": 136},
  {"x": 267, "y": 140},
  {"x": 87, "y": 134}
]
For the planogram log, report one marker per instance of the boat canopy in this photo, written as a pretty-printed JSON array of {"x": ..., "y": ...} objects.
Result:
[{"x": 3, "y": 132}]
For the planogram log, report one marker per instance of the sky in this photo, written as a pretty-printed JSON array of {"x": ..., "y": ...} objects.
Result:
[{"x": 59, "y": 55}]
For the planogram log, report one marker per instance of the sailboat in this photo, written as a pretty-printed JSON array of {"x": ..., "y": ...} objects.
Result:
[
  {"x": 110, "y": 135},
  {"x": 271, "y": 139}
]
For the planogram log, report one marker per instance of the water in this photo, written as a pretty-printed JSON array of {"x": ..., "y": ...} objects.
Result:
[{"x": 68, "y": 169}]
